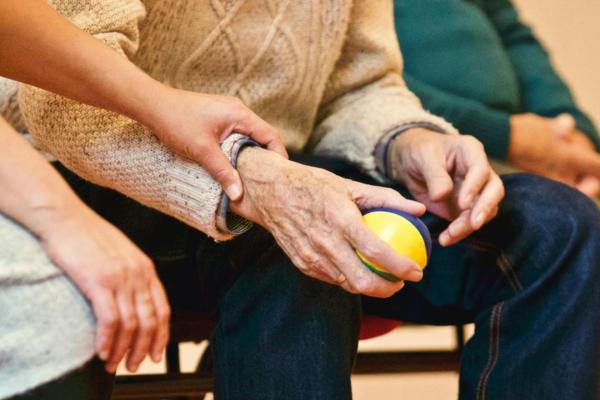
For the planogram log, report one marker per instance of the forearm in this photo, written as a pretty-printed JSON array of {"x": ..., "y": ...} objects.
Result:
[
  {"x": 33, "y": 192},
  {"x": 40, "y": 47}
]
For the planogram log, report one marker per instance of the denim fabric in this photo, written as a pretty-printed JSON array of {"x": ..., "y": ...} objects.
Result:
[{"x": 527, "y": 280}]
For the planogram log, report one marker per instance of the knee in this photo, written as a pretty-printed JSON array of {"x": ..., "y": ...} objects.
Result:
[{"x": 550, "y": 208}]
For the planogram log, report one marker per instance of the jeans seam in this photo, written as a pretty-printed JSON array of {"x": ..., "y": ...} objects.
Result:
[
  {"x": 502, "y": 262},
  {"x": 493, "y": 351}
]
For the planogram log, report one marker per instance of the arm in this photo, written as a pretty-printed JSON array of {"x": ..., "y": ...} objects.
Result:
[
  {"x": 95, "y": 255},
  {"x": 366, "y": 98},
  {"x": 490, "y": 126},
  {"x": 50, "y": 52},
  {"x": 544, "y": 92},
  {"x": 112, "y": 150}
]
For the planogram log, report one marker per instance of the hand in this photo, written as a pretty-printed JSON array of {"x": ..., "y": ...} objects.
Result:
[
  {"x": 451, "y": 175},
  {"x": 194, "y": 125},
  {"x": 552, "y": 147},
  {"x": 119, "y": 280},
  {"x": 565, "y": 129},
  {"x": 315, "y": 218}
]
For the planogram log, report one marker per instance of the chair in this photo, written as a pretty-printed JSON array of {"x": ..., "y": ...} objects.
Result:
[{"x": 175, "y": 384}]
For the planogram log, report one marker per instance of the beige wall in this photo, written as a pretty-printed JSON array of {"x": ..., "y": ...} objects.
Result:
[{"x": 571, "y": 31}]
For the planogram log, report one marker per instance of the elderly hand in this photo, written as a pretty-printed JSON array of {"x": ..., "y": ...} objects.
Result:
[
  {"x": 120, "y": 281},
  {"x": 554, "y": 148},
  {"x": 451, "y": 175},
  {"x": 315, "y": 217},
  {"x": 194, "y": 125}
]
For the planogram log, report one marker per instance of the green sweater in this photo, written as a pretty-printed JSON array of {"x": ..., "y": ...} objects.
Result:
[{"x": 474, "y": 63}]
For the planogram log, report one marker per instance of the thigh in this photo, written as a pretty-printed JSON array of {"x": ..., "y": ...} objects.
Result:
[
  {"x": 90, "y": 382},
  {"x": 46, "y": 325}
]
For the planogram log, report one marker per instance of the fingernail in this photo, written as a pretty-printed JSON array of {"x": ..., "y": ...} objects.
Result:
[
  {"x": 341, "y": 278},
  {"x": 103, "y": 355},
  {"x": 444, "y": 238},
  {"x": 234, "y": 191},
  {"x": 414, "y": 275}
]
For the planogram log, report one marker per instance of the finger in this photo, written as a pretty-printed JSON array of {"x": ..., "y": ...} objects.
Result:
[
  {"x": 458, "y": 229},
  {"x": 476, "y": 179},
  {"x": 589, "y": 185},
  {"x": 107, "y": 315},
  {"x": 260, "y": 131},
  {"x": 219, "y": 167},
  {"x": 306, "y": 269},
  {"x": 163, "y": 316},
  {"x": 368, "y": 196},
  {"x": 146, "y": 330},
  {"x": 564, "y": 126},
  {"x": 308, "y": 251},
  {"x": 583, "y": 162},
  {"x": 489, "y": 199},
  {"x": 127, "y": 328},
  {"x": 359, "y": 278},
  {"x": 438, "y": 181},
  {"x": 377, "y": 251}
]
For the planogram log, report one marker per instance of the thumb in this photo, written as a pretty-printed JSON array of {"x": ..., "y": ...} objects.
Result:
[
  {"x": 220, "y": 168},
  {"x": 563, "y": 126}
]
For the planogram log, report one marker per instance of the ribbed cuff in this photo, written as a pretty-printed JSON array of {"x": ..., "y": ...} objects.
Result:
[
  {"x": 382, "y": 149},
  {"x": 228, "y": 221}
]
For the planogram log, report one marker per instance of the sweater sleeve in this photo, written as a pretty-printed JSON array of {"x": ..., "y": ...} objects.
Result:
[
  {"x": 111, "y": 150},
  {"x": 490, "y": 126},
  {"x": 366, "y": 98},
  {"x": 543, "y": 90}
]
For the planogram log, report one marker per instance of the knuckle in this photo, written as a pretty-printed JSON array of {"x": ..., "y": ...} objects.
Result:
[
  {"x": 109, "y": 321},
  {"x": 164, "y": 315},
  {"x": 371, "y": 251},
  {"x": 362, "y": 285},
  {"x": 148, "y": 324},
  {"x": 130, "y": 324}
]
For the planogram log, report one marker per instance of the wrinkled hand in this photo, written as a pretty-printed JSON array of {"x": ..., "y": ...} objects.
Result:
[
  {"x": 194, "y": 125},
  {"x": 451, "y": 175},
  {"x": 554, "y": 148},
  {"x": 119, "y": 280},
  {"x": 315, "y": 217}
]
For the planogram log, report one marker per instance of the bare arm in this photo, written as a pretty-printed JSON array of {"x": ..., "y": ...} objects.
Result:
[
  {"x": 99, "y": 259},
  {"x": 40, "y": 47}
]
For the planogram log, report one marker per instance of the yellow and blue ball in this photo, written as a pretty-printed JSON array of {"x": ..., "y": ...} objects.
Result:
[{"x": 405, "y": 233}]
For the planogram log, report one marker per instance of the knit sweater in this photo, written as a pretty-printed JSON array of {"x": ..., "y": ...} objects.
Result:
[
  {"x": 475, "y": 63},
  {"x": 326, "y": 73}
]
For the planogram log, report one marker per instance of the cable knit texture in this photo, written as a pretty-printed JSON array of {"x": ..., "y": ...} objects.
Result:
[
  {"x": 46, "y": 326},
  {"x": 326, "y": 73}
]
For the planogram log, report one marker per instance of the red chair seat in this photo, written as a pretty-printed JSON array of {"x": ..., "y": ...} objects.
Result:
[{"x": 373, "y": 326}]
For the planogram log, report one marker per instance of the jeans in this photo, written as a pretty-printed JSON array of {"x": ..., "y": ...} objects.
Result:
[{"x": 527, "y": 279}]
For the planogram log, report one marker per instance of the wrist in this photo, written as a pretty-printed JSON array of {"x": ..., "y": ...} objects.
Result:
[
  {"x": 143, "y": 107},
  {"x": 46, "y": 219},
  {"x": 257, "y": 167},
  {"x": 397, "y": 149}
]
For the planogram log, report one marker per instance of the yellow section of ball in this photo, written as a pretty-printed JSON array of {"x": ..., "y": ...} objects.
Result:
[{"x": 400, "y": 234}]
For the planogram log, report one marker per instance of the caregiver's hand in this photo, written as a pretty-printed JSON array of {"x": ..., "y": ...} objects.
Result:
[
  {"x": 451, "y": 175},
  {"x": 120, "y": 281},
  {"x": 315, "y": 217},
  {"x": 194, "y": 125}
]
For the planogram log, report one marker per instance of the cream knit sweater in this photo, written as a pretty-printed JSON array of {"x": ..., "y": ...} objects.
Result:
[{"x": 326, "y": 73}]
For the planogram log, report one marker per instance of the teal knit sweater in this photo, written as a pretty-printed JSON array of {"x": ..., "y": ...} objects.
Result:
[{"x": 474, "y": 63}]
